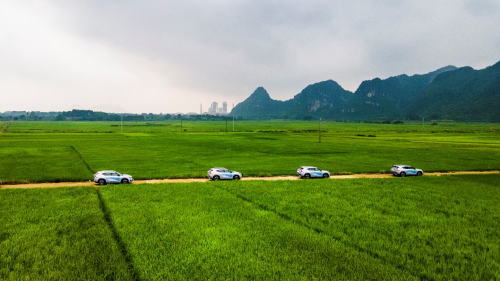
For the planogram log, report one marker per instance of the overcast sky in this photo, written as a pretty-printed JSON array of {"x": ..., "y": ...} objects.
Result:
[{"x": 170, "y": 56}]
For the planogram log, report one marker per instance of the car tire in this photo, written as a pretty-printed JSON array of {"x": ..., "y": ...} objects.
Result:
[
  {"x": 102, "y": 182},
  {"x": 236, "y": 177},
  {"x": 419, "y": 174},
  {"x": 125, "y": 181},
  {"x": 402, "y": 174},
  {"x": 216, "y": 178},
  {"x": 326, "y": 175},
  {"x": 307, "y": 176}
]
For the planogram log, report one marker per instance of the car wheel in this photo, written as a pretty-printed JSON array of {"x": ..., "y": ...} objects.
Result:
[
  {"x": 216, "y": 178},
  {"x": 124, "y": 180},
  {"x": 307, "y": 176},
  {"x": 102, "y": 182},
  {"x": 326, "y": 176},
  {"x": 236, "y": 177},
  {"x": 419, "y": 173},
  {"x": 403, "y": 174}
]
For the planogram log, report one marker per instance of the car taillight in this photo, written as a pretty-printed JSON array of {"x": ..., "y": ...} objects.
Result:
[
  {"x": 397, "y": 169},
  {"x": 301, "y": 170}
]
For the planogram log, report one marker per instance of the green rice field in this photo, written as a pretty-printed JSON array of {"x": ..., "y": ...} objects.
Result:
[
  {"x": 418, "y": 228},
  {"x": 243, "y": 126},
  {"x": 57, "y": 234},
  {"x": 422, "y": 228},
  {"x": 42, "y": 156}
]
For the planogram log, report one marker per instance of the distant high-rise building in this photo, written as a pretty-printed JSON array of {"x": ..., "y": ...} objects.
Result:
[
  {"x": 224, "y": 108},
  {"x": 215, "y": 107}
]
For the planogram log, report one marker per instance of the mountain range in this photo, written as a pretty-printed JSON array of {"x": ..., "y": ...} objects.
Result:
[{"x": 461, "y": 94}]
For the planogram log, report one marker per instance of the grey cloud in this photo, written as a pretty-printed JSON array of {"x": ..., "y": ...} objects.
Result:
[
  {"x": 228, "y": 48},
  {"x": 483, "y": 8}
]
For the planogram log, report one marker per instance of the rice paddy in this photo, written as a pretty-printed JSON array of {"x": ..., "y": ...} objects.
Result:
[{"x": 421, "y": 228}]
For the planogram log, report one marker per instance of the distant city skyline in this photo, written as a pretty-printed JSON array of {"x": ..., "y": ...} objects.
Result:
[{"x": 215, "y": 109}]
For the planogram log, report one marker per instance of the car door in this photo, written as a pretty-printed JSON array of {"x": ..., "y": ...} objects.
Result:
[
  {"x": 411, "y": 171},
  {"x": 227, "y": 174},
  {"x": 114, "y": 177},
  {"x": 320, "y": 173},
  {"x": 313, "y": 172},
  {"x": 222, "y": 174},
  {"x": 107, "y": 177}
]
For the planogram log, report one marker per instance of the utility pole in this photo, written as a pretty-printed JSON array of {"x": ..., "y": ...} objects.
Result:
[
  {"x": 122, "y": 124},
  {"x": 181, "y": 123},
  {"x": 320, "y": 130},
  {"x": 233, "y": 121}
]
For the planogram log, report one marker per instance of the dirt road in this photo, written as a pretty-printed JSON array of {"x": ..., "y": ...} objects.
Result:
[{"x": 372, "y": 176}]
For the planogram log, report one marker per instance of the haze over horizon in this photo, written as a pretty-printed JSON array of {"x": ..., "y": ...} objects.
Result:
[{"x": 170, "y": 56}]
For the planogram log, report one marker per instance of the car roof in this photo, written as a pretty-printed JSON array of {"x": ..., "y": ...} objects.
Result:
[
  {"x": 108, "y": 171},
  {"x": 217, "y": 168},
  {"x": 307, "y": 167}
]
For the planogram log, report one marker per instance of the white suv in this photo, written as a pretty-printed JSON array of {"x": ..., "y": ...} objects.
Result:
[
  {"x": 105, "y": 177},
  {"x": 405, "y": 170},
  {"x": 312, "y": 172},
  {"x": 223, "y": 174}
]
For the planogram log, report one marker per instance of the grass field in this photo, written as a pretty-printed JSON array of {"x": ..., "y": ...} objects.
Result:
[
  {"x": 243, "y": 126},
  {"x": 49, "y": 157},
  {"x": 197, "y": 231},
  {"x": 57, "y": 234},
  {"x": 3, "y": 127},
  {"x": 427, "y": 228},
  {"x": 434, "y": 228}
]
